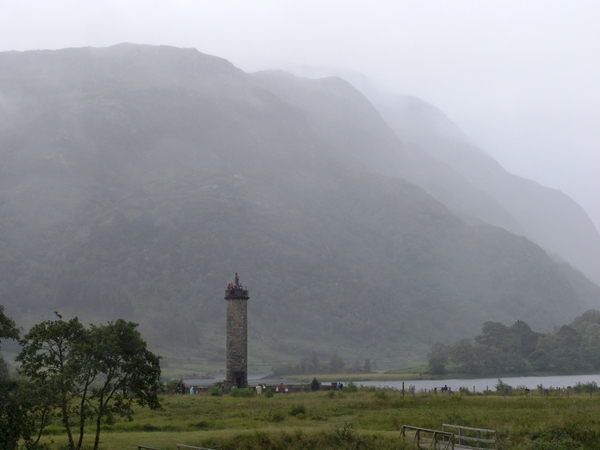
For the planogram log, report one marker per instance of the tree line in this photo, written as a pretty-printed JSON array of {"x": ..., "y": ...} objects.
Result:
[
  {"x": 81, "y": 376},
  {"x": 517, "y": 349}
]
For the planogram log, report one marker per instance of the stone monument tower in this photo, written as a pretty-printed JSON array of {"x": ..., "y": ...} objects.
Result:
[{"x": 236, "y": 370}]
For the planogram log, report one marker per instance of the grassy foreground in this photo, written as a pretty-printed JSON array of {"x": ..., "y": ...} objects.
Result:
[{"x": 365, "y": 419}]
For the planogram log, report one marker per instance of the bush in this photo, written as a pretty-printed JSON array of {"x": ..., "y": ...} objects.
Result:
[
  {"x": 503, "y": 388},
  {"x": 274, "y": 416},
  {"x": 347, "y": 433},
  {"x": 555, "y": 439},
  {"x": 380, "y": 394},
  {"x": 215, "y": 391},
  {"x": 298, "y": 409},
  {"x": 244, "y": 392}
]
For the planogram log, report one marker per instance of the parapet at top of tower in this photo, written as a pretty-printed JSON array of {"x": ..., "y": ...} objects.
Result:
[{"x": 236, "y": 290}]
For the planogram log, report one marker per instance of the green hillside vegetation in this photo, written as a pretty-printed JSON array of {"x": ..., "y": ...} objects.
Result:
[
  {"x": 517, "y": 349},
  {"x": 135, "y": 180}
]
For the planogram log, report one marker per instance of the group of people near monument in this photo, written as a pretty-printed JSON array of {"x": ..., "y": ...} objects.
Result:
[
  {"x": 235, "y": 285},
  {"x": 280, "y": 389}
]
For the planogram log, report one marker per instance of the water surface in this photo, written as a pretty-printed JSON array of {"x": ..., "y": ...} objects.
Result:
[{"x": 482, "y": 384}]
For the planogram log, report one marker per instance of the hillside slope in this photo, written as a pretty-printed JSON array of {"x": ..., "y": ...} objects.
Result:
[
  {"x": 135, "y": 180},
  {"x": 546, "y": 216}
]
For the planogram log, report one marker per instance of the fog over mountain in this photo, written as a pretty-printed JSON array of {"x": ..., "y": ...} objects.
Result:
[
  {"x": 135, "y": 180},
  {"x": 519, "y": 79}
]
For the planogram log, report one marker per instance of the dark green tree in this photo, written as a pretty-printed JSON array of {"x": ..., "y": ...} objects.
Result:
[
  {"x": 124, "y": 372},
  {"x": 49, "y": 357},
  {"x": 25, "y": 410},
  {"x": 437, "y": 358},
  {"x": 464, "y": 355},
  {"x": 13, "y": 413},
  {"x": 526, "y": 338},
  {"x": 8, "y": 329},
  {"x": 92, "y": 373},
  {"x": 494, "y": 334}
]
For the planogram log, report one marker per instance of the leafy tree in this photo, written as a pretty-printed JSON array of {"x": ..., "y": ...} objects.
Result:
[
  {"x": 526, "y": 338},
  {"x": 13, "y": 412},
  {"x": 91, "y": 373},
  {"x": 493, "y": 334},
  {"x": 124, "y": 372},
  {"x": 49, "y": 357},
  {"x": 25, "y": 409},
  {"x": 437, "y": 358},
  {"x": 568, "y": 336},
  {"x": 590, "y": 316},
  {"x": 8, "y": 329},
  {"x": 463, "y": 355}
]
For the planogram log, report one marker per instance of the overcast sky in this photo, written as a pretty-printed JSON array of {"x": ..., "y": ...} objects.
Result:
[{"x": 521, "y": 78}]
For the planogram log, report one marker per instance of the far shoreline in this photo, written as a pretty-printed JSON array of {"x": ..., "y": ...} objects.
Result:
[{"x": 383, "y": 376}]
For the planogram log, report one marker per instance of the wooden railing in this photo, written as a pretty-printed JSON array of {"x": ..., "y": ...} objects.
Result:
[
  {"x": 179, "y": 446},
  {"x": 429, "y": 439},
  {"x": 473, "y": 438},
  {"x": 452, "y": 437}
]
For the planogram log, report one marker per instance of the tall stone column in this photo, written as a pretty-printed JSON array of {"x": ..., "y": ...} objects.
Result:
[{"x": 236, "y": 370}]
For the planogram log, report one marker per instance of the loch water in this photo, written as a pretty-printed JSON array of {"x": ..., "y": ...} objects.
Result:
[
  {"x": 475, "y": 384},
  {"x": 483, "y": 384}
]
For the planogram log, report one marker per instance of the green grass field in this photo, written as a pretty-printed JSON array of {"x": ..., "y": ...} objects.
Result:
[{"x": 366, "y": 419}]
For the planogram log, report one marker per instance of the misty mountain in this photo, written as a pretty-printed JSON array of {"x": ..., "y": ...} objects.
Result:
[
  {"x": 546, "y": 216},
  {"x": 135, "y": 180}
]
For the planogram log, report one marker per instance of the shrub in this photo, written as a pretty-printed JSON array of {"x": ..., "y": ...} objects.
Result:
[
  {"x": 244, "y": 392},
  {"x": 274, "y": 416},
  {"x": 503, "y": 388},
  {"x": 346, "y": 433},
  {"x": 298, "y": 409},
  {"x": 380, "y": 394}
]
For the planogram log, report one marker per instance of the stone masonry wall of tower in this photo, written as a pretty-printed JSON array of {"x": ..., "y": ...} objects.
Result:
[{"x": 236, "y": 366}]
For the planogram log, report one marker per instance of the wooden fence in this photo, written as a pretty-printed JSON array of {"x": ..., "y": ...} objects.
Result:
[
  {"x": 451, "y": 437},
  {"x": 429, "y": 439},
  {"x": 179, "y": 447},
  {"x": 477, "y": 438}
]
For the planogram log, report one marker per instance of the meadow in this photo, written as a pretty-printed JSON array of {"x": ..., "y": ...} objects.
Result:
[{"x": 350, "y": 419}]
